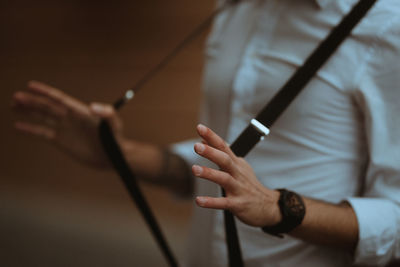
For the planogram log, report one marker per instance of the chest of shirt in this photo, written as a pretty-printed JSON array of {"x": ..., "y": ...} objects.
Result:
[{"x": 278, "y": 36}]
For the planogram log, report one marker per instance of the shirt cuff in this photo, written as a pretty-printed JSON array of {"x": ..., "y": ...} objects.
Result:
[{"x": 378, "y": 230}]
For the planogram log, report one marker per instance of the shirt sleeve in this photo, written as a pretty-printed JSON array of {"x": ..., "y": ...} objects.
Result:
[
  {"x": 378, "y": 209},
  {"x": 185, "y": 150}
]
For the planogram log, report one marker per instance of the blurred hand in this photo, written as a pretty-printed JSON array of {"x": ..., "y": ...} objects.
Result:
[
  {"x": 246, "y": 197},
  {"x": 66, "y": 122}
]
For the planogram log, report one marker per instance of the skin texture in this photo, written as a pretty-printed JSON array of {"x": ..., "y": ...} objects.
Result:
[
  {"x": 64, "y": 121},
  {"x": 256, "y": 205},
  {"x": 71, "y": 126},
  {"x": 247, "y": 198}
]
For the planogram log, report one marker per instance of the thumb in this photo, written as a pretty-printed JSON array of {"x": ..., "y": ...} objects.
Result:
[{"x": 106, "y": 112}]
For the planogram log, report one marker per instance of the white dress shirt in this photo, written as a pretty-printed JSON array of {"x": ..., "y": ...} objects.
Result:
[{"x": 339, "y": 140}]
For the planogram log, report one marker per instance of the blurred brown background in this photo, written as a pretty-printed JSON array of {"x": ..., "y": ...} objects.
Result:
[{"x": 54, "y": 211}]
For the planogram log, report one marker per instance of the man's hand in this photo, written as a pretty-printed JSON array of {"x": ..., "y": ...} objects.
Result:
[
  {"x": 325, "y": 223},
  {"x": 65, "y": 121},
  {"x": 246, "y": 197}
]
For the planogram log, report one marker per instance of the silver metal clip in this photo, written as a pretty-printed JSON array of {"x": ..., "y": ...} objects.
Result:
[
  {"x": 129, "y": 95},
  {"x": 264, "y": 131}
]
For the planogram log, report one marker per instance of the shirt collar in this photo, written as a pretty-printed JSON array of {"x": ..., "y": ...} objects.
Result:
[{"x": 322, "y": 3}]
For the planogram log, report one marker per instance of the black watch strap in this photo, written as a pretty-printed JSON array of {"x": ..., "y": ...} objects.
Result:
[{"x": 292, "y": 208}]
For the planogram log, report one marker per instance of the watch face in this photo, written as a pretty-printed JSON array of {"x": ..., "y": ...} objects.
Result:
[
  {"x": 292, "y": 209},
  {"x": 294, "y": 203}
]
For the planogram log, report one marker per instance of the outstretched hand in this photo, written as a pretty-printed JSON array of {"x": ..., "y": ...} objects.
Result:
[
  {"x": 246, "y": 197},
  {"x": 65, "y": 121}
]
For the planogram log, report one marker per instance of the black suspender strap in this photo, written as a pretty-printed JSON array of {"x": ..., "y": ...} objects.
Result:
[
  {"x": 247, "y": 139},
  {"x": 117, "y": 159},
  {"x": 115, "y": 155},
  {"x": 259, "y": 126}
]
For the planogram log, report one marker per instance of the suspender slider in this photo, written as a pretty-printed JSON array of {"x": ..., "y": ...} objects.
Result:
[{"x": 260, "y": 128}]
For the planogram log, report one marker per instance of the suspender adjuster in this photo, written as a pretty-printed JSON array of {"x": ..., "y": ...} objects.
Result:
[{"x": 260, "y": 128}]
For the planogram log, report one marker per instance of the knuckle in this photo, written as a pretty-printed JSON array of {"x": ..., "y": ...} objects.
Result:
[
  {"x": 227, "y": 161},
  {"x": 242, "y": 160},
  {"x": 206, "y": 172},
  {"x": 110, "y": 109},
  {"x": 228, "y": 204},
  {"x": 239, "y": 206},
  {"x": 221, "y": 144},
  {"x": 224, "y": 180},
  {"x": 57, "y": 94}
]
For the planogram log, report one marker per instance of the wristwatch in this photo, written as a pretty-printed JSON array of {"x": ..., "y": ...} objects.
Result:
[{"x": 292, "y": 208}]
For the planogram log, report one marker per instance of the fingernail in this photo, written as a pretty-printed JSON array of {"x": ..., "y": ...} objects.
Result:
[
  {"x": 201, "y": 128},
  {"x": 199, "y": 148},
  {"x": 201, "y": 201},
  {"x": 197, "y": 170}
]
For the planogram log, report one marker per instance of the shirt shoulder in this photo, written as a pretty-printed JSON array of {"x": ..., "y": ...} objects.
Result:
[
  {"x": 379, "y": 32},
  {"x": 382, "y": 20}
]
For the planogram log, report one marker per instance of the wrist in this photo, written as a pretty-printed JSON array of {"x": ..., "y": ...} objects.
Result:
[
  {"x": 134, "y": 155},
  {"x": 276, "y": 215},
  {"x": 292, "y": 210},
  {"x": 128, "y": 147}
]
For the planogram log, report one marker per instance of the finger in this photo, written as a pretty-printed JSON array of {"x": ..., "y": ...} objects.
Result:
[
  {"x": 29, "y": 102},
  {"x": 222, "y": 159},
  {"x": 102, "y": 110},
  {"x": 221, "y": 178},
  {"x": 36, "y": 117},
  {"x": 107, "y": 112},
  {"x": 36, "y": 130},
  {"x": 47, "y": 90},
  {"x": 221, "y": 203},
  {"x": 214, "y": 140},
  {"x": 57, "y": 96}
]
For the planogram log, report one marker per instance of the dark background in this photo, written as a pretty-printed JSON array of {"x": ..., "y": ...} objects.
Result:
[{"x": 54, "y": 211}]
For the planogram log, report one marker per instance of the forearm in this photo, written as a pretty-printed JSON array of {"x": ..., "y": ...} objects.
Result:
[
  {"x": 328, "y": 224},
  {"x": 158, "y": 165}
]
